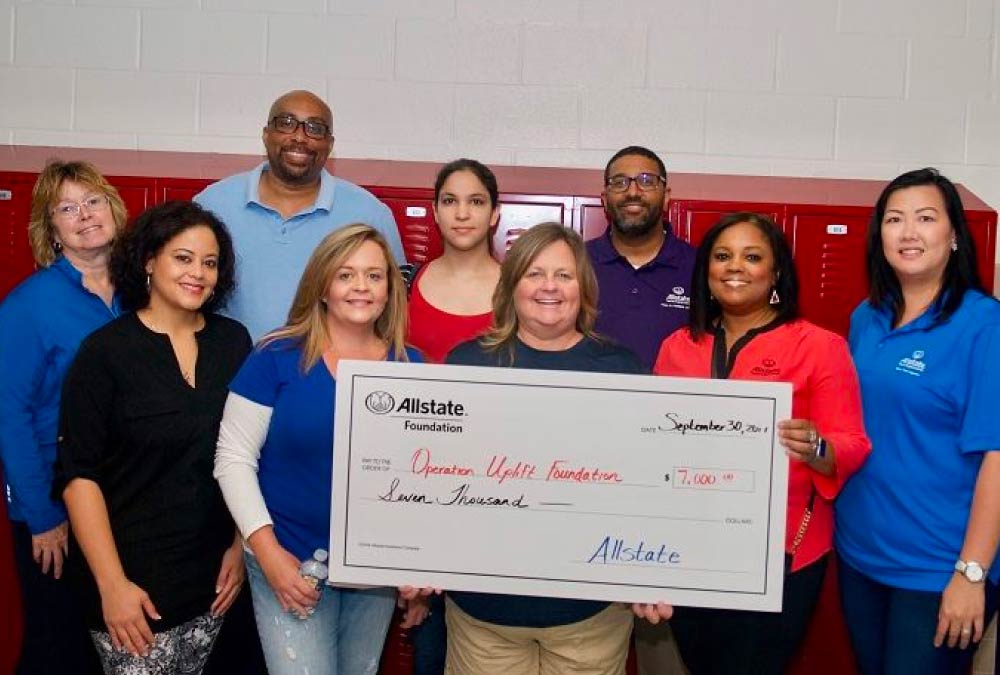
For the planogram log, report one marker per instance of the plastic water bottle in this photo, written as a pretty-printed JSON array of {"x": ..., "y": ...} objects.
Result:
[{"x": 315, "y": 570}]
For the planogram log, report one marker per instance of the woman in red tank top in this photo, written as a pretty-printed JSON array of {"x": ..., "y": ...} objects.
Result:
[
  {"x": 450, "y": 296},
  {"x": 451, "y": 303}
]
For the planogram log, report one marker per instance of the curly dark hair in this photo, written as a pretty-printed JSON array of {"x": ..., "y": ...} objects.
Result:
[
  {"x": 147, "y": 237},
  {"x": 704, "y": 310}
]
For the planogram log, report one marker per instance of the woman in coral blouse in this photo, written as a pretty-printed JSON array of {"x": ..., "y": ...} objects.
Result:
[{"x": 744, "y": 325}]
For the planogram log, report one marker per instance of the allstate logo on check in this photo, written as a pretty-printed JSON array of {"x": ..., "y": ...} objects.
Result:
[
  {"x": 418, "y": 414},
  {"x": 380, "y": 402}
]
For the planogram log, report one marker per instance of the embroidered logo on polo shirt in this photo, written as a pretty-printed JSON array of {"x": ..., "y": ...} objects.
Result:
[
  {"x": 677, "y": 299},
  {"x": 767, "y": 368},
  {"x": 912, "y": 365}
]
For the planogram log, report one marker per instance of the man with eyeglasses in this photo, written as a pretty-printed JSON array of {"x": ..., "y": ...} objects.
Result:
[
  {"x": 644, "y": 275},
  {"x": 643, "y": 270},
  {"x": 279, "y": 211}
]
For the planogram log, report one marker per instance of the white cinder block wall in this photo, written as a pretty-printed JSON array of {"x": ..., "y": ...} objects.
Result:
[{"x": 857, "y": 88}]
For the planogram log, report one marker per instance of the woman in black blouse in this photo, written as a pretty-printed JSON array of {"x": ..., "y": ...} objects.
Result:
[{"x": 140, "y": 415}]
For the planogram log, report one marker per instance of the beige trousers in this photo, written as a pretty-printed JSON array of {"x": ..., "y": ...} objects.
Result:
[{"x": 594, "y": 646}]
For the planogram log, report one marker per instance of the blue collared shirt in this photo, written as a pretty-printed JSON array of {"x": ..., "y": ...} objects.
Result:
[
  {"x": 42, "y": 323},
  {"x": 929, "y": 396},
  {"x": 640, "y": 307},
  {"x": 272, "y": 252}
]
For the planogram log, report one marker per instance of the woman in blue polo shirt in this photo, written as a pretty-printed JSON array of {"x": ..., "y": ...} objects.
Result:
[
  {"x": 274, "y": 460},
  {"x": 75, "y": 216},
  {"x": 918, "y": 526}
]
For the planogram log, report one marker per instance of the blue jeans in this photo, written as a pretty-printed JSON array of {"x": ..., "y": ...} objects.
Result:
[
  {"x": 343, "y": 637},
  {"x": 892, "y": 629}
]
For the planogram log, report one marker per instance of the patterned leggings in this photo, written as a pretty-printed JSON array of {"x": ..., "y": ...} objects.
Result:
[{"x": 183, "y": 649}]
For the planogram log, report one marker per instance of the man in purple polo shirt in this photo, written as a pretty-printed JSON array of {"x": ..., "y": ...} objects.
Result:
[
  {"x": 644, "y": 275},
  {"x": 643, "y": 270}
]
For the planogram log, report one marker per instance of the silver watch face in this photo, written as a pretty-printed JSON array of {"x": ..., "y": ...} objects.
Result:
[{"x": 974, "y": 572}]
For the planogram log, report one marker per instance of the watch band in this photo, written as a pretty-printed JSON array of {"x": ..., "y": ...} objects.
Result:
[
  {"x": 971, "y": 570},
  {"x": 820, "y": 448}
]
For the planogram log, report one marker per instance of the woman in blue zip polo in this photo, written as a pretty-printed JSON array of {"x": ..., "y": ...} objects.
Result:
[
  {"x": 918, "y": 526},
  {"x": 75, "y": 217}
]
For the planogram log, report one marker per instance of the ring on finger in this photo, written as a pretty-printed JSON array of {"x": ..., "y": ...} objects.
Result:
[
  {"x": 966, "y": 631},
  {"x": 812, "y": 437}
]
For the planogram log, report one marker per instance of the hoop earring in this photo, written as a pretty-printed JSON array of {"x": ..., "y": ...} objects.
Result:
[
  {"x": 57, "y": 247},
  {"x": 775, "y": 300},
  {"x": 149, "y": 282}
]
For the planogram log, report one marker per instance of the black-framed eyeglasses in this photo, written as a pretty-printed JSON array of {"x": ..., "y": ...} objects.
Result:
[
  {"x": 288, "y": 124},
  {"x": 645, "y": 181}
]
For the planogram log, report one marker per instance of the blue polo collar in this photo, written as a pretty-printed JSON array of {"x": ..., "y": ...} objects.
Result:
[{"x": 324, "y": 200}]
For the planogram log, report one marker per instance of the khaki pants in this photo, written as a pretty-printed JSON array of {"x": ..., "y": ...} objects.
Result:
[{"x": 594, "y": 646}]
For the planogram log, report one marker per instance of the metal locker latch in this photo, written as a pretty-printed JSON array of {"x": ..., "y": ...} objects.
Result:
[
  {"x": 6, "y": 195},
  {"x": 836, "y": 228}
]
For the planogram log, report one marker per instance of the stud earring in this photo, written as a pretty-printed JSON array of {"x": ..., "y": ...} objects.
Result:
[{"x": 775, "y": 300}]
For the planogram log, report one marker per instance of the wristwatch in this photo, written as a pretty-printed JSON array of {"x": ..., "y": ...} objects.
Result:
[
  {"x": 971, "y": 570},
  {"x": 820, "y": 449}
]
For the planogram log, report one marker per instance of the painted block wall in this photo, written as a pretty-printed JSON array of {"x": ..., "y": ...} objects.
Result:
[{"x": 846, "y": 88}]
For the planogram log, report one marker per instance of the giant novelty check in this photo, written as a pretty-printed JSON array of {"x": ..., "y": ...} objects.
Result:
[{"x": 573, "y": 485}]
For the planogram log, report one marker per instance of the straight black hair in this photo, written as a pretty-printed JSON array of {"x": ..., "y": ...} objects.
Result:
[
  {"x": 960, "y": 274},
  {"x": 478, "y": 169}
]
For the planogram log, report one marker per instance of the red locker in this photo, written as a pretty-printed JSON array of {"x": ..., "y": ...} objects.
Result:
[
  {"x": 169, "y": 189},
  {"x": 16, "y": 261},
  {"x": 824, "y": 219},
  {"x": 829, "y": 249},
  {"x": 414, "y": 214},
  {"x": 693, "y": 218},
  {"x": 138, "y": 193},
  {"x": 591, "y": 219},
  {"x": 519, "y": 212},
  {"x": 983, "y": 227}
]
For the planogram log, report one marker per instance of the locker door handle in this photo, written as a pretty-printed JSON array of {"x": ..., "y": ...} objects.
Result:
[{"x": 6, "y": 195}]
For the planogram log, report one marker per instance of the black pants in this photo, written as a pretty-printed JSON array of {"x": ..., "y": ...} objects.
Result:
[
  {"x": 735, "y": 642},
  {"x": 430, "y": 640},
  {"x": 56, "y": 639}
]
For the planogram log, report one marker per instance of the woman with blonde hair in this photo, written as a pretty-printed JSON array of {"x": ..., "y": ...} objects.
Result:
[
  {"x": 275, "y": 454},
  {"x": 544, "y": 309},
  {"x": 75, "y": 217}
]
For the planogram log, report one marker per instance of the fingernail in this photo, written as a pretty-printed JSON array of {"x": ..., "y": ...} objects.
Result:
[{"x": 218, "y": 589}]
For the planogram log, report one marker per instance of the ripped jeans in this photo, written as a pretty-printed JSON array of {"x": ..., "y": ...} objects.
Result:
[{"x": 343, "y": 637}]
